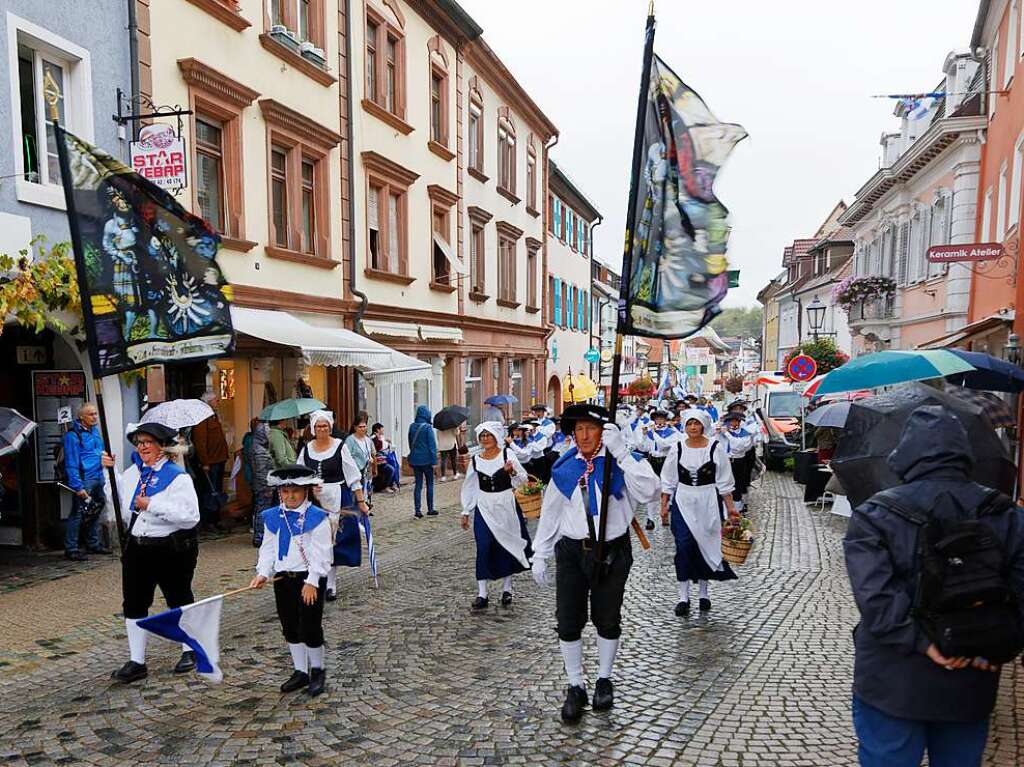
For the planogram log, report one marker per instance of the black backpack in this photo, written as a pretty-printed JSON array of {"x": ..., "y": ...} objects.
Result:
[
  {"x": 60, "y": 467},
  {"x": 963, "y": 598}
]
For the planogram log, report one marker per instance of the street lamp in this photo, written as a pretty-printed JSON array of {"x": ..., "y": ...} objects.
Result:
[
  {"x": 816, "y": 316},
  {"x": 1012, "y": 350}
]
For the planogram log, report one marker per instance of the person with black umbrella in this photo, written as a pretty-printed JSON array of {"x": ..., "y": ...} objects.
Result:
[{"x": 161, "y": 511}]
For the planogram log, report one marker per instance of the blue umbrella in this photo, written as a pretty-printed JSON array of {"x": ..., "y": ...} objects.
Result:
[
  {"x": 992, "y": 373},
  {"x": 872, "y": 371},
  {"x": 501, "y": 399}
]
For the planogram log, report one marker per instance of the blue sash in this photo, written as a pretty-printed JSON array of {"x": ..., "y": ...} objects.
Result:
[{"x": 272, "y": 521}]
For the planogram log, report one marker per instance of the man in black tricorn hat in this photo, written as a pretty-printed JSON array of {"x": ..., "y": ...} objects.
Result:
[{"x": 570, "y": 517}]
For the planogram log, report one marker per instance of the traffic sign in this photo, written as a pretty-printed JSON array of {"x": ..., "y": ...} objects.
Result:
[
  {"x": 592, "y": 355},
  {"x": 802, "y": 368}
]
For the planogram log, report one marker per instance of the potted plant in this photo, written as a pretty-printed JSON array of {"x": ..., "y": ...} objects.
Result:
[{"x": 737, "y": 538}]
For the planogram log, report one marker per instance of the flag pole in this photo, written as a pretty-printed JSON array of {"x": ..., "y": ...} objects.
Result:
[
  {"x": 80, "y": 273},
  {"x": 627, "y": 261}
]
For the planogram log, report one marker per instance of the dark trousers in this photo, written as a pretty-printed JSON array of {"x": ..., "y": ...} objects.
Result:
[
  {"x": 424, "y": 474},
  {"x": 450, "y": 457},
  {"x": 78, "y": 526},
  {"x": 575, "y": 587},
  {"x": 211, "y": 487},
  {"x": 300, "y": 623},
  {"x": 168, "y": 565}
]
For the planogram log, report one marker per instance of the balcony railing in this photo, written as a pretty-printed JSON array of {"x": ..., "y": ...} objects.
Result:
[{"x": 872, "y": 309}]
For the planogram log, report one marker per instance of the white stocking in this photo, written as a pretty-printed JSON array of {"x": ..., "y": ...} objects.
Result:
[
  {"x": 136, "y": 640},
  {"x": 506, "y": 585},
  {"x": 316, "y": 656},
  {"x": 684, "y": 591},
  {"x": 606, "y": 649},
  {"x": 572, "y": 655},
  {"x": 481, "y": 589},
  {"x": 332, "y": 579},
  {"x": 703, "y": 586},
  {"x": 299, "y": 660}
]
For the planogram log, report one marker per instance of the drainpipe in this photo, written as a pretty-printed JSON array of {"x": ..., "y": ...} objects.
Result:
[
  {"x": 543, "y": 388},
  {"x": 357, "y": 322},
  {"x": 590, "y": 308},
  {"x": 134, "y": 70}
]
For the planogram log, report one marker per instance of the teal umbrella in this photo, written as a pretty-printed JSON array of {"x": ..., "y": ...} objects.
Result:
[
  {"x": 291, "y": 408},
  {"x": 892, "y": 367}
]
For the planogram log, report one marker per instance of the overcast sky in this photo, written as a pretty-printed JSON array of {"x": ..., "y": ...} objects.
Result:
[{"x": 797, "y": 74}]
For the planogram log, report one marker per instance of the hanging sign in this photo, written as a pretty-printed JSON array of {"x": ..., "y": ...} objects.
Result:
[
  {"x": 802, "y": 368},
  {"x": 982, "y": 251},
  {"x": 55, "y": 395},
  {"x": 159, "y": 155}
]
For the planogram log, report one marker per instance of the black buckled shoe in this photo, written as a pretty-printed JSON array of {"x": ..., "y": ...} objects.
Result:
[
  {"x": 296, "y": 681},
  {"x": 705, "y": 604},
  {"x": 604, "y": 695},
  {"x": 683, "y": 609},
  {"x": 575, "y": 702},
  {"x": 650, "y": 524},
  {"x": 317, "y": 682},
  {"x": 331, "y": 596},
  {"x": 480, "y": 603},
  {"x": 130, "y": 672},
  {"x": 185, "y": 663},
  {"x": 506, "y": 598}
]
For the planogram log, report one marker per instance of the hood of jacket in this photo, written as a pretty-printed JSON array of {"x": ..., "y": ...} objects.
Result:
[
  {"x": 422, "y": 414},
  {"x": 934, "y": 442}
]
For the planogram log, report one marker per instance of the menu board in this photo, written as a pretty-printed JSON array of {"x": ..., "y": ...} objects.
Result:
[{"x": 53, "y": 391}]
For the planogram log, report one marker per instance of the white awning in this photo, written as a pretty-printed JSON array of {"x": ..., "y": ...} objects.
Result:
[
  {"x": 436, "y": 333},
  {"x": 392, "y": 329},
  {"x": 330, "y": 347},
  {"x": 441, "y": 244}
]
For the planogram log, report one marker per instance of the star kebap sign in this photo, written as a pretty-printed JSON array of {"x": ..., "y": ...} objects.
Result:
[{"x": 148, "y": 266}]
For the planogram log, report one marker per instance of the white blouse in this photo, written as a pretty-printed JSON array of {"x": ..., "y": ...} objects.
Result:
[
  {"x": 471, "y": 486},
  {"x": 691, "y": 459},
  {"x": 317, "y": 544}
]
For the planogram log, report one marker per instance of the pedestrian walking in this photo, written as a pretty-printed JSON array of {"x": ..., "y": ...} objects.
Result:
[
  {"x": 161, "y": 510},
  {"x": 282, "y": 450},
  {"x": 925, "y": 669},
  {"x": 296, "y": 553},
  {"x": 448, "y": 452},
  {"x": 422, "y": 459},
  {"x": 262, "y": 465},
  {"x": 211, "y": 453},
  {"x": 340, "y": 477},
  {"x": 739, "y": 445},
  {"x": 83, "y": 453},
  {"x": 499, "y": 528},
  {"x": 570, "y": 516},
  {"x": 696, "y": 482}
]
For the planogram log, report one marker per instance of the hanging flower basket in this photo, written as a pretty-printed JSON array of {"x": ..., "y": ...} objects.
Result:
[{"x": 854, "y": 290}]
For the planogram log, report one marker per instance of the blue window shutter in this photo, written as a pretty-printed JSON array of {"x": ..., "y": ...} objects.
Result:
[
  {"x": 570, "y": 318},
  {"x": 558, "y": 301},
  {"x": 558, "y": 218}
]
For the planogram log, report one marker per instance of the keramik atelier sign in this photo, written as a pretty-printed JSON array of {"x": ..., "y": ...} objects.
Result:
[{"x": 985, "y": 251}]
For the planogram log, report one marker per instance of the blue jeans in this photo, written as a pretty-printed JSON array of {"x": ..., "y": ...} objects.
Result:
[
  {"x": 424, "y": 474},
  {"x": 889, "y": 741},
  {"x": 76, "y": 522}
]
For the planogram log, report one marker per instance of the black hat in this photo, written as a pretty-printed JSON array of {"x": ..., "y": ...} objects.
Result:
[
  {"x": 733, "y": 415},
  {"x": 583, "y": 412},
  {"x": 165, "y": 436},
  {"x": 659, "y": 414},
  {"x": 293, "y": 474},
  {"x": 538, "y": 406},
  {"x": 737, "y": 404}
]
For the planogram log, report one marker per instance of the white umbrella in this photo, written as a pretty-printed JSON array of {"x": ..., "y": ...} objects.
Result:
[
  {"x": 178, "y": 413},
  {"x": 14, "y": 430}
]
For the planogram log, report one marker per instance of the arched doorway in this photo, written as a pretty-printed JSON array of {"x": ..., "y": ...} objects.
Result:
[{"x": 555, "y": 395}]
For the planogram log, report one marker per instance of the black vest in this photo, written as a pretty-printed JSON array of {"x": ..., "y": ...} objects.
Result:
[
  {"x": 705, "y": 475},
  {"x": 498, "y": 482}
]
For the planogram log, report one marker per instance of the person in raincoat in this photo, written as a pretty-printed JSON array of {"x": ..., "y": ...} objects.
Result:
[
  {"x": 695, "y": 482},
  {"x": 502, "y": 543},
  {"x": 262, "y": 465},
  {"x": 423, "y": 459}
]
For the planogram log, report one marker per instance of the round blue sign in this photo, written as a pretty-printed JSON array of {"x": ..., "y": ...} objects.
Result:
[{"x": 592, "y": 356}]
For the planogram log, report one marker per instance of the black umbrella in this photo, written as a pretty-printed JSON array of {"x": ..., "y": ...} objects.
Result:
[
  {"x": 873, "y": 429},
  {"x": 450, "y": 417},
  {"x": 992, "y": 374}
]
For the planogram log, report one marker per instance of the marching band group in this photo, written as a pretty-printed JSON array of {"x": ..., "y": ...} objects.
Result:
[{"x": 677, "y": 456}]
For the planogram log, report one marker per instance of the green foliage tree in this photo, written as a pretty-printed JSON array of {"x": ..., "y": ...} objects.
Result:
[
  {"x": 34, "y": 292},
  {"x": 823, "y": 351},
  {"x": 739, "y": 322}
]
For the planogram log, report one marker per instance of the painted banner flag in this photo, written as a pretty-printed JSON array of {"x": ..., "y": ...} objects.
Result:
[
  {"x": 152, "y": 290},
  {"x": 677, "y": 269},
  {"x": 196, "y": 625}
]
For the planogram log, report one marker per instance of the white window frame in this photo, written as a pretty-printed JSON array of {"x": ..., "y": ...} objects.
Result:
[
  {"x": 1018, "y": 172},
  {"x": 78, "y": 114},
  {"x": 1012, "y": 34},
  {"x": 993, "y": 78},
  {"x": 1000, "y": 203},
  {"x": 986, "y": 217}
]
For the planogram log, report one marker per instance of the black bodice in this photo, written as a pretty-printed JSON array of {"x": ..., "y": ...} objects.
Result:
[
  {"x": 705, "y": 475},
  {"x": 498, "y": 482},
  {"x": 329, "y": 468}
]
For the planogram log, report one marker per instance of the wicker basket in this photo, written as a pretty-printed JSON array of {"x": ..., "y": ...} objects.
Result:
[
  {"x": 735, "y": 552},
  {"x": 530, "y": 503}
]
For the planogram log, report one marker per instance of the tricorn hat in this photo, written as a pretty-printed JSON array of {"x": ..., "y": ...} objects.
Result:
[
  {"x": 583, "y": 412},
  {"x": 294, "y": 474}
]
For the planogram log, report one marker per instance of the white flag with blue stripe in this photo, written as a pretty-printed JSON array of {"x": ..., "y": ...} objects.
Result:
[{"x": 196, "y": 625}]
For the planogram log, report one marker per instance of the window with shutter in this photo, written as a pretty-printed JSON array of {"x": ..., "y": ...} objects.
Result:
[
  {"x": 939, "y": 231},
  {"x": 904, "y": 252},
  {"x": 558, "y": 302}
]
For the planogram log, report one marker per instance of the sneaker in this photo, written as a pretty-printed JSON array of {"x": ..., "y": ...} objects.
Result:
[
  {"x": 575, "y": 702},
  {"x": 75, "y": 556},
  {"x": 432, "y": 513},
  {"x": 418, "y": 515},
  {"x": 443, "y": 479},
  {"x": 457, "y": 476}
]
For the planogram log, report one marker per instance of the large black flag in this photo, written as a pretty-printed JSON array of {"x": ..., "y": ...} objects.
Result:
[{"x": 152, "y": 291}]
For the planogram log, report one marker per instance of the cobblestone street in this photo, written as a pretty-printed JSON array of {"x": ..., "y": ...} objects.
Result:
[{"x": 414, "y": 678}]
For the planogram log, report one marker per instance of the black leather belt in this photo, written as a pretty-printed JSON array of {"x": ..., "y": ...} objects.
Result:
[
  {"x": 587, "y": 544},
  {"x": 289, "y": 574}
]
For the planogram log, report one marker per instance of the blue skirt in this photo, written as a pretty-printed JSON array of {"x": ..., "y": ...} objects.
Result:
[
  {"x": 348, "y": 546},
  {"x": 492, "y": 559},
  {"x": 690, "y": 564}
]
